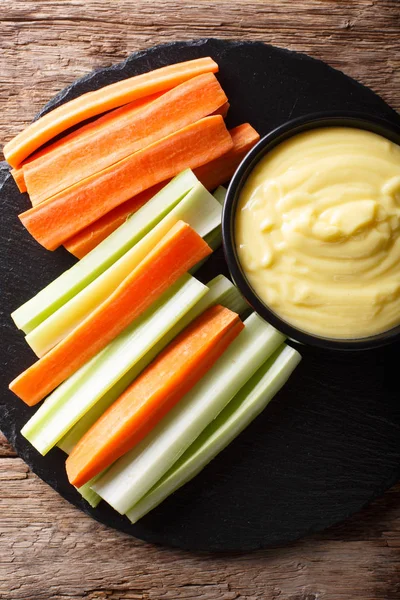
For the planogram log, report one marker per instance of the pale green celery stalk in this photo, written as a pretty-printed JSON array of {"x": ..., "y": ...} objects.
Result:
[
  {"x": 134, "y": 474},
  {"x": 220, "y": 194},
  {"x": 248, "y": 403},
  {"x": 73, "y": 398},
  {"x": 214, "y": 238},
  {"x": 89, "y": 495},
  {"x": 37, "y": 309},
  {"x": 221, "y": 291},
  {"x": 198, "y": 208},
  {"x": 72, "y": 437}
]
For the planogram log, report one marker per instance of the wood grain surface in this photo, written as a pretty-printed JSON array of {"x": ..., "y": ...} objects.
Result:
[{"x": 48, "y": 549}]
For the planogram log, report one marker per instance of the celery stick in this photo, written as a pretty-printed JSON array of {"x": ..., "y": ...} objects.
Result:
[
  {"x": 134, "y": 474},
  {"x": 88, "y": 494},
  {"x": 37, "y": 309},
  {"x": 73, "y": 398},
  {"x": 220, "y": 194},
  {"x": 249, "y": 402},
  {"x": 72, "y": 437},
  {"x": 214, "y": 238},
  {"x": 221, "y": 291},
  {"x": 198, "y": 208}
]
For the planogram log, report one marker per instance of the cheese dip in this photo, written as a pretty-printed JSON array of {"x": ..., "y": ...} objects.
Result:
[{"x": 317, "y": 232}]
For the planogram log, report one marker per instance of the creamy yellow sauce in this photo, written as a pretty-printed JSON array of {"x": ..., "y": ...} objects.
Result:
[{"x": 318, "y": 232}]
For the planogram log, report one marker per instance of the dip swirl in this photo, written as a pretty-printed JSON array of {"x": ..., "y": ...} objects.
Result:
[{"x": 318, "y": 232}]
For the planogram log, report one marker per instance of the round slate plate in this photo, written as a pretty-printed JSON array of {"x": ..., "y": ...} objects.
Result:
[{"x": 330, "y": 441}]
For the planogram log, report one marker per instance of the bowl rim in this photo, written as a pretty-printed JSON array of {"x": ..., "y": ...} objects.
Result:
[{"x": 358, "y": 120}]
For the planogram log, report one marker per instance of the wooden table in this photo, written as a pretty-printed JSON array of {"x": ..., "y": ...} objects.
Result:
[{"x": 48, "y": 549}]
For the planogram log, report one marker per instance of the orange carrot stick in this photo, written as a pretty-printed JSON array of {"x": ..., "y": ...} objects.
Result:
[
  {"x": 18, "y": 175},
  {"x": 222, "y": 110},
  {"x": 94, "y": 103},
  {"x": 87, "y": 239},
  {"x": 121, "y": 133},
  {"x": 220, "y": 170},
  {"x": 211, "y": 175},
  {"x": 57, "y": 219},
  {"x": 154, "y": 393},
  {"x": 176, "y": 253},
  {"x": 85, "y": 131}
]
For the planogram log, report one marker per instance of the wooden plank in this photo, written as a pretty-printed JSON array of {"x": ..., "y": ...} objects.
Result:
[
  {"x": 46, "y": 44},
  {"x": 48, "y": 549},
  {"x": 6, "y": 450}
]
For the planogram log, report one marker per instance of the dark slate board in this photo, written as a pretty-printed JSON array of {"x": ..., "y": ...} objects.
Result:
[{"x": 330, "y": 442}]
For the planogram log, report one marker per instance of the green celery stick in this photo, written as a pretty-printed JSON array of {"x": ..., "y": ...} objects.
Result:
[
  {"x": 220, "y": 194},
  {"x": 214, "y": 238},
  {"x": 88, "y": 494}
]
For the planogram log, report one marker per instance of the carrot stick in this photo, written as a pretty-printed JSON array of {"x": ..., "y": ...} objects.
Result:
[
  {"x": 220, "y": 170},
  {"x": 94, "y": 103},
  {"x": 85, "y": 131},
  {"x": 176, "y": 253},
  {"x": 154, "y": 393},
  {"x": 222, "y": 110},
  {"x": 87, "y": 239},
  {"x": 212, "y": 175},
  {"x": 55, "y": 220},
  {"x": 121, "y": 133},
  {"x": 18, "y": 175}
]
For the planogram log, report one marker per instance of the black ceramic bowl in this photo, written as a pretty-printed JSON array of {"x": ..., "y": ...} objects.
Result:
[{"x": 272, "y": 139}]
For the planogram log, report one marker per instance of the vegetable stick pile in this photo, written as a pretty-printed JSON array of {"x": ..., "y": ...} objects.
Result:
[{"x": 146, "y": 373}]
